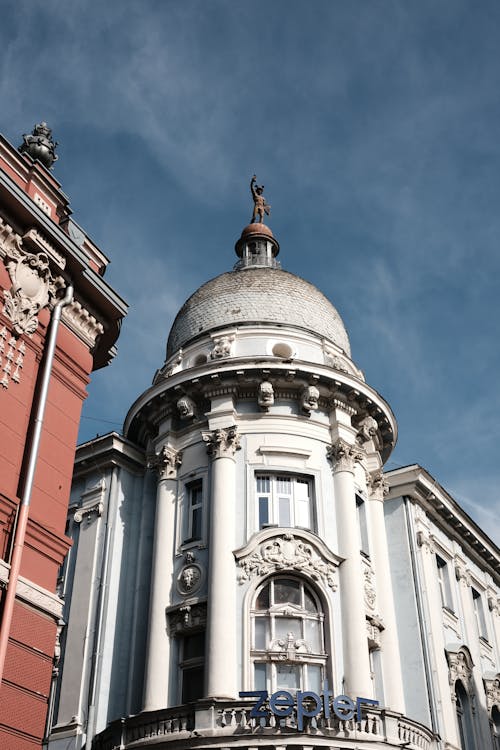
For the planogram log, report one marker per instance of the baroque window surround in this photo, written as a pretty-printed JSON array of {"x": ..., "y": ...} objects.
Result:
[{"x": 296, "y": 553}]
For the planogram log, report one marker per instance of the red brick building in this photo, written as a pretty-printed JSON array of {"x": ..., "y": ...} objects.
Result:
[{"x": 42, "y": 252}]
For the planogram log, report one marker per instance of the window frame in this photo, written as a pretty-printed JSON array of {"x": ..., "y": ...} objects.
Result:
[
  {"x": 362, "y": 522},
  {"x": 185, "y": 540},
  {"x": 274, "y": 653},
  {"x": 479, "y": 613},
  {"x": 190, "y": 664},
  {"x": 273, "y": 496},
  {"x": 444, "y": 583}
]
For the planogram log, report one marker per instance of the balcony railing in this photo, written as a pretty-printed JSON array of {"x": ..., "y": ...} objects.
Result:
[{"x": 223, "y": 720}]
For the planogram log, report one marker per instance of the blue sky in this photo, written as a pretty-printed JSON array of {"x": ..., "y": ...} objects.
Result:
[{"x": 375, "y": 127}]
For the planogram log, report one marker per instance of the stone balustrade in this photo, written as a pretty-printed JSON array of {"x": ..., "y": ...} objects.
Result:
[{"x": 221, "y": 720}]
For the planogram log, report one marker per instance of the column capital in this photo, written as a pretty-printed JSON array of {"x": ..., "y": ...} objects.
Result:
[
  {"x": 378, "y": 485},
  {"x": 222, "y": 443},
  {"x": 166, "y": 462},
  {"x": 343, "y": 455}
]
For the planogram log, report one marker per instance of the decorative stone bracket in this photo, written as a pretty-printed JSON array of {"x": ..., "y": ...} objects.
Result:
[
  {"x": 186, "y": 618},
  {"x": 166, "y": 462},
  {"x": 222, "y": 443},
  {"x": 343, "y": 455}
]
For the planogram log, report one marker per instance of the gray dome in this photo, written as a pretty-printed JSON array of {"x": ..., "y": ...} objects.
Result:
[{"x": 257, "y": 295}]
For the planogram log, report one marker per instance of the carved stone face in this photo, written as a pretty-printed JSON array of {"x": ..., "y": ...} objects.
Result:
[
  {"x": 367, "y": 429},
  {"x": 189, "y": 579},
  {"x": 310, "y": 398},
  {"x": 186, "y": 407},
  {"x": 266, "y": 394}
]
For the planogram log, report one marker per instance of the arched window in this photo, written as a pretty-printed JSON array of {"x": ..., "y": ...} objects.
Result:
[
  {"x": 464, "y": 717},
  {"x": 287, "y": 633}
]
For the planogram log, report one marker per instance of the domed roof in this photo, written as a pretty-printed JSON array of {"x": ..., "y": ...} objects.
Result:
[{"x": 253, "y": 296}]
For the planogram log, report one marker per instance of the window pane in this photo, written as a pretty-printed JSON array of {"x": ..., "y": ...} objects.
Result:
[
  {"x": 260, "y": 633},
  {"x": 196, "y": 515},
  {"x": 287, "y": 677},
  {"x": 309, "y": 602},
  {"x": 263, "y": 511},
  {"x": 285, "y": 625},
  {"x": 302, "y": 515},
  {"x": 302, "y": 489},
  {"x": 285, "y": 591},
  {"x": 196, "y": 494},
  {"x": 260, "y": 681},
  {"x": 284, "y": 518},
  {"x": 263, "y": 484},
  {"x": 284, "y": 485},
  {"x": 194, "y": 646},
  {"x": 192, "y": 683},
  {"x": 263, "y": 599},
  {"x": 313, "y": 635},
  {"x": 314, "y": 678}
]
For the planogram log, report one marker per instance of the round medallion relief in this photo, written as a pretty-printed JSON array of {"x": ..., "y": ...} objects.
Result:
[{"x": 189, "y": 579}]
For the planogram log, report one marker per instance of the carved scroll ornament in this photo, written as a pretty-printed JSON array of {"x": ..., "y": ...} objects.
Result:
[{"x": 33, "y": 286}]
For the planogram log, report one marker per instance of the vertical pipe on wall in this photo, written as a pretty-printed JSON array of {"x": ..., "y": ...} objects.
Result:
[{"x": 20, "y": 533}]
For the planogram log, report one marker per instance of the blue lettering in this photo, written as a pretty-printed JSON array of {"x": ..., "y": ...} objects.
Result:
[
  {"x": 281, "y": 703},
  {"x": 257, "y": 711},
  {"x": 343, "y": 707},
  {"x": 302, "y": 711},
  {"x": 367, "y": 701}
]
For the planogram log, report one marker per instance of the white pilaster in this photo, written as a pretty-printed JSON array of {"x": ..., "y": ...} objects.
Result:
[
  {"x": 357, "y": 681},
  {"x": 158, "y": 664},
  {"x": 391, "y": 659},
  {"x": 221, "y": 655}
]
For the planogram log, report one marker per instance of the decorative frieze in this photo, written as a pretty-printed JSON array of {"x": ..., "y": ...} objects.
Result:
[
  {"x": 33, "y": 286},
  {"x": 344, "y": 456},
  {"x": 287, "y": 552},
  {"x": 338, "y": 403},
  {"x": 222, "y": 443},
  {"x": 166, "y": 462},
  {"x": 182, "y": 620}
]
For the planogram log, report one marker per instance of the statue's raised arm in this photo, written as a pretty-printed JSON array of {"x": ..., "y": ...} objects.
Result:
[{"x": 260, "y": 205}]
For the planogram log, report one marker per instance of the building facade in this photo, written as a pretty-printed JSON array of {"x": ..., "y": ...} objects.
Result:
[
  {"x": 243, "y": 572},
  {"x": 46, "y": 260}
]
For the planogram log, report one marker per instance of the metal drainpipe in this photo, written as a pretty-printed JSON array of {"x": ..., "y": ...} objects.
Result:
[{"x": 20, "y": 533}]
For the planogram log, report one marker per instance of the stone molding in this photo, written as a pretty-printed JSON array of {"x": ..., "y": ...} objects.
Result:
[
  {"x": 493, "y": 603},
  {"x": 425, "y": 541},
  {"x": 337, "y": 403},
  {"x": 374, "y": 628},
  {"x": 36, "y": 596},
  {"x": 369, "y": 592},
  {"x": 84, "y": 325},
  {"x": 12, "y": 353},
  {"x": 183, "y": 619},
  {"x": 32, "y": 285},
  {"x": 222, "y": 443},
  {"x": 38, "y": 240},
  {"x": 166, "y": 462},
  {"x": 492, "y": 690},
  {"x": 462, "y": 573},
  {"x": 343, "y": 456},
  {"x": 222, "y": 347},
  {"x": 271, "y": 552}
]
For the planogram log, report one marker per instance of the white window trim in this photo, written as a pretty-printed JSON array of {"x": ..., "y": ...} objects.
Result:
[
  {"x": 274, "y": 496},
  {"x": 183, "y": 540}
]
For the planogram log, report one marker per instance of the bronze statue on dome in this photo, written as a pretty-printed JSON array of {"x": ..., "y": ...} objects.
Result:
[{"x": 260, "y": 205}]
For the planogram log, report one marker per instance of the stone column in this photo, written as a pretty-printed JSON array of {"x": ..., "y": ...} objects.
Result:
[
  {"x": 391, "y": 659},
  {"x": 158, "y": 666},
  {"x": 357, "y": 681},
  {"x": 434, "y": 635},
  {"x": 221, "y": 655}
]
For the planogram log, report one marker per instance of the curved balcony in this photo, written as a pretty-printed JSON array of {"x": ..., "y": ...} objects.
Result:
[{"x": 227, "y": 723}]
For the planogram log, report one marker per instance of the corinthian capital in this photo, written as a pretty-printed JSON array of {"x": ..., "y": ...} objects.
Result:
[
  {"x": 166, "y": 462},
  {"x": 379, "y": 486},
  {"x": 222, "y": 443},
  {"x": 343, "y": 455}
]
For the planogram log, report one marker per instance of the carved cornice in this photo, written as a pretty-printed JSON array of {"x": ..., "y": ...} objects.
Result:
[
  {"x": 92, "y": 503},
  {"x": 272, "y": 552},
  {"x": 186, "y": 618},
  {"x": 344, "y": 456},
  {"x": 82, "y": 323},
  {"x": 41, "y": 599},
  {"x": 33, "y": 286},
  {"x": 222, "y": 443},
  {"x": 39, "y": 242},
  {"x": 86, "y": 511},
  {"x": 462, "y": 573},
  {"x": 166, "y": 462},
  {"x": 337, "y": 403}
]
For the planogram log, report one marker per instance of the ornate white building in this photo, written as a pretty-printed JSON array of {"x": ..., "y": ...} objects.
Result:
[{"x": 241, "y": 536}]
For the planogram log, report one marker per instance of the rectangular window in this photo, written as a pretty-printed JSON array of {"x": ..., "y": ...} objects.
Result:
[
  {"x": 284, "y": 500},
  {"x": 444, "y": 583},
  {"x": 192, "y": 666},
  {"x": 194, "y": 492},
  {"x": 362, "y": 526},
  {"x": 477, "y": 601}
]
